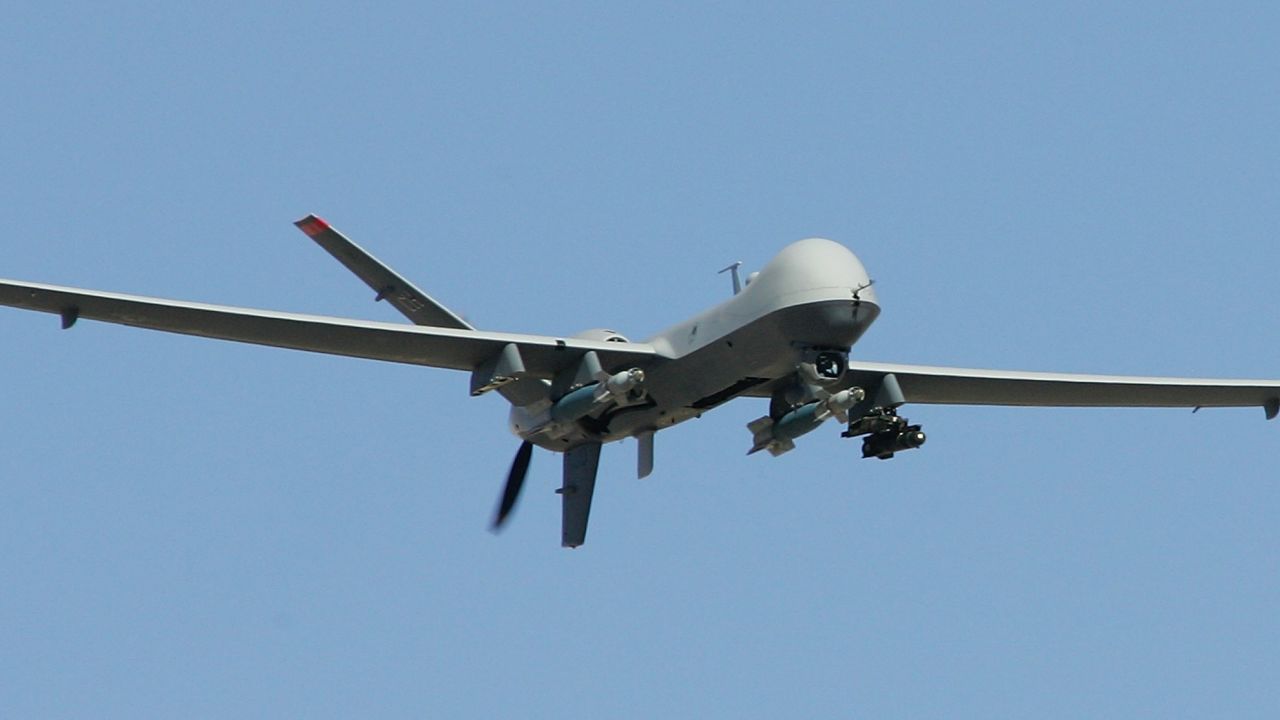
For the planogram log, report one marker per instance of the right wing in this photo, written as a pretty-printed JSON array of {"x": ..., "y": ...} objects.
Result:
[
  {"x": 456, "y": 349},
  {"x": 963, "y": 386}
]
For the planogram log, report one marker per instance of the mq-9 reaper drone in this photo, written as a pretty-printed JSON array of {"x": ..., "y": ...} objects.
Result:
[{"x": 784, "y": 335}]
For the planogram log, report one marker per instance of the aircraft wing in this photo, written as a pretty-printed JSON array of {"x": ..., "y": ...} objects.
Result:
[
  {"x": 962, "y": 386},
  {"x": 453, "y": 348}
]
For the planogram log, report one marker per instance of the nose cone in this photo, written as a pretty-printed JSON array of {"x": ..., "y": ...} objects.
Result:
[{"x": 815, "y": 265}]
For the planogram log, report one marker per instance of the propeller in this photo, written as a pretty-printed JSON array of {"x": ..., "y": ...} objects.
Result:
[{"x": 515, "y": 480}]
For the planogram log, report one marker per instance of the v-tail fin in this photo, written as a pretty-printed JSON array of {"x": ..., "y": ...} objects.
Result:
[
  {"x": 580, "y": 465},
  {"x": 414, "y": 304}
]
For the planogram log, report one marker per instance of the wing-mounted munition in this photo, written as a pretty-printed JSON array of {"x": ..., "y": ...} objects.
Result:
[
  {"x": 778, "y": 436},
  {"x": 608, "y": 390},
  {"x": 886, "y": 433},
  {"x": 784, "y": 335}
]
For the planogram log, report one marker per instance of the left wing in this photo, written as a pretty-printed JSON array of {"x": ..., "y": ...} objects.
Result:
[
  {"x": 962, "y": 386},
  {"x": 457, "y": 349}
]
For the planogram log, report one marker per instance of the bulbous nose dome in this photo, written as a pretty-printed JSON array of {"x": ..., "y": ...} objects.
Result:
[{"x": 815, "y": 264}]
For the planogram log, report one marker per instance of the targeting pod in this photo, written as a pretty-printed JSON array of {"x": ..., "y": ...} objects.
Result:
[{"x": 823, "y": 368}]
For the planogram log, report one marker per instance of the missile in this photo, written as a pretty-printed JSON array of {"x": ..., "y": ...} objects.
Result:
[
  {"x": 777, "y": 436},
  {"x": 887, "y": 442}
]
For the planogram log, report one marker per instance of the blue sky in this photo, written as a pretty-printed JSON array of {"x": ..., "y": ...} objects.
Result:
[{"x": 201, "y": 529}]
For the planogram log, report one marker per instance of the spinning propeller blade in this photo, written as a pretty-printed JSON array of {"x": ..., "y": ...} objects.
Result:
[{"x": 515, "y": 480}]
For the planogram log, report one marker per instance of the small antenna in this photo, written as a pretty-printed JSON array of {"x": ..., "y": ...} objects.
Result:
[
  {"x": 857, "y": 295},
  {"x": 737, "y": 283}
]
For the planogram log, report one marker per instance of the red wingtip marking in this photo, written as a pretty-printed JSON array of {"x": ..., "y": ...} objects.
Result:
[{"x": 312, "y": 225}]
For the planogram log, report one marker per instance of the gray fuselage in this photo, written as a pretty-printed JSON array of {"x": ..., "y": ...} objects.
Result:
[{"x": 815, "y": 295}]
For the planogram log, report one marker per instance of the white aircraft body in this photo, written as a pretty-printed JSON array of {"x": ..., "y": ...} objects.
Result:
[{"x": 784, "y": 336}]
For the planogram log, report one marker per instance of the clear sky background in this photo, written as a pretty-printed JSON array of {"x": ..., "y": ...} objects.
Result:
[{"x": 191, "y": 528}]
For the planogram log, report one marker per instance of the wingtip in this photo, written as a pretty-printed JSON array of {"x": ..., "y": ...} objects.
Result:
[{"x": 312, "y": 225}]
